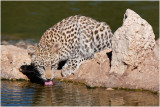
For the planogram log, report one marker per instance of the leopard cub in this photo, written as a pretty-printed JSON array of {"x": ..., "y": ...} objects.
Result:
[{"x": 73, "y": 40}]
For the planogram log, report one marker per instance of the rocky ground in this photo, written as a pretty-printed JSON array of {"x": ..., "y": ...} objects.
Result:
[
  {"x": 12, "y": 58},
  {"x": 133, "y": 62},
  {"x": 96, "y": 73}
]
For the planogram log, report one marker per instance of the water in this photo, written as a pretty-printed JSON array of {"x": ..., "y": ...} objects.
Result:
[
  {"x": 29, "y": 20},
  {"x": 24, "y": 93}
]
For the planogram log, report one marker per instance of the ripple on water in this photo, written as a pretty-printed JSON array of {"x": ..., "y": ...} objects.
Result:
[
  {"x": 14, "y": 95},
  {"x": 23, "y": 93}
]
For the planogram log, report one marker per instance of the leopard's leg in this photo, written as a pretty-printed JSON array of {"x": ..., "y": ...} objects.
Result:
[{"x": 72, "y": 65}]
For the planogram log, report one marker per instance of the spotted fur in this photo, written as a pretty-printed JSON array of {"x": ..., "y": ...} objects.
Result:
[{"x": 73, "y": 39}]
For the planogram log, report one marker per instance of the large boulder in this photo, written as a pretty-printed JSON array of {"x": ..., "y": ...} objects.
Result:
[
  {"x": 134, "y": 55},
  {"x": 12, "y": 58},
  {"x": 131, "y": 43},
  {"x": 145, "y": 76}
]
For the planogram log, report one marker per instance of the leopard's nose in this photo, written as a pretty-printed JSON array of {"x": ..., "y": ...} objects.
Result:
[
  {"x": 48, "y": 80},
  {"x": 49, "y": 76}
]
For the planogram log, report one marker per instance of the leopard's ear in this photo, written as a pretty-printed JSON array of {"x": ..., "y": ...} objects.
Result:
[
  {"x": 32, "y": 50},
  {"x": 55, "y": 48}
]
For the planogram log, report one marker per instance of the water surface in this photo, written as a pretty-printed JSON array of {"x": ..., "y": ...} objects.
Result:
[
  {"x": 30, "y": 19},
  {"x": 23, "y": 93}
]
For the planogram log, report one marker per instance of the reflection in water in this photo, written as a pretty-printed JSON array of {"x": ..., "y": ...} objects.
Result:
[{"x": 60, "y": 94}]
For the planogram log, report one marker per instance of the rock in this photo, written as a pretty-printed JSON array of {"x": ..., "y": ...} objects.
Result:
[
  {"x": 92, "y": 72},
  {"x": 12, "y": 58},
  {"x": 22, "y": 44},
  {"x": 156, "y": 50},
  {"x": 146, "y": 75},
  {"x": 109, "y": 89},
  {"x": 131, "y": 43},
  {"x": 134, "y": 62},
  {"x": 25, "y": 43},
  {"x": 4, "y": 43}
]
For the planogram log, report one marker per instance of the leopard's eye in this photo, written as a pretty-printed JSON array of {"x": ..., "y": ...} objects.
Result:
[
  {"x": 42, "y": 67},
  {"x": 53, "y": 66}
]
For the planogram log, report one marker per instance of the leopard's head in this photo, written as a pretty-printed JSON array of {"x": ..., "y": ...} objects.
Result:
[{"x": 45, "y": 61}]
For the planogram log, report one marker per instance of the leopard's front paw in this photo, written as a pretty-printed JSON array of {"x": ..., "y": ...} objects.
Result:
[{"x": 66, "y": 72}]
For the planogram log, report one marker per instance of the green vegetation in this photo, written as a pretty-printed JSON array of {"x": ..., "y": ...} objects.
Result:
[
  {"x": 127, "y": 89},
  {"x": 94, "y": 87}
]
